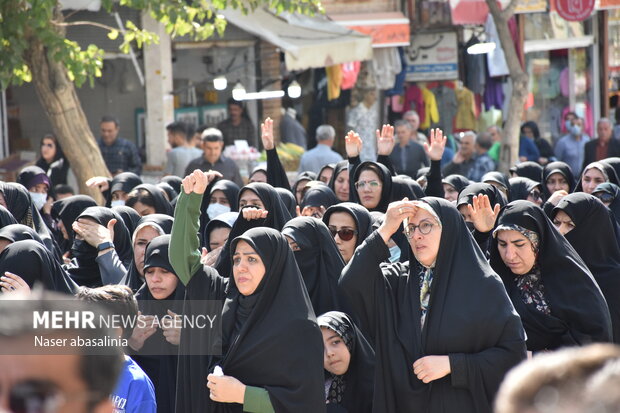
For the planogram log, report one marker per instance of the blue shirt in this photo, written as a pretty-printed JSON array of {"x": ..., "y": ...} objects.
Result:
[
  {"x": 121, "y": 156},
  {"x": 570, "y": 150},
  {"x": 134, "y": 392},
  {"x": 318, "y": 157}
]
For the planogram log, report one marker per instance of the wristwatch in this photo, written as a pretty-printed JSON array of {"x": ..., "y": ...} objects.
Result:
[{"x": 104, "y": 246}]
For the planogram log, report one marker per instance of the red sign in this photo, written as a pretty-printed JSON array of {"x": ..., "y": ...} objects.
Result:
[{"x": 574, "y": 10}]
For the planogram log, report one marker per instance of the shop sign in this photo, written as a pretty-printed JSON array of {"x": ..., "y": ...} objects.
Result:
[
  {"x": 531, "y": 6},
  {"x": 476, "y": 11},
  {"x": 386, "y": 35},
  {"x": 432, "y": 56},
  {"x": 609, "y": 4},
  {"x": 574, "y": 10}
]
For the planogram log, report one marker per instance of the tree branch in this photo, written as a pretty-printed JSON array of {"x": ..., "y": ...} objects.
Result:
[
  {"x": 510, "y": 9},
  {"x": 84, "y": 23}
]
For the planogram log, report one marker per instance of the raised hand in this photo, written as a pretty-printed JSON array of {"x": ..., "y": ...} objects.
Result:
[
  {"x": 94, "y": 233},
  {"x": 101, "y": 182},
  {"x": 482, "y": 214},
  {"x": 555, "y": 198},
  {"x": 254, "y": 213},
  {"x": 198, "y": 181},
  {"x": 267, "y": 134},
  {"x": 396, "y": 213},
  {"x": 385, "y": 140},
  {"x": 434, "y": 149},
  {"x": 353, "y": 144}
]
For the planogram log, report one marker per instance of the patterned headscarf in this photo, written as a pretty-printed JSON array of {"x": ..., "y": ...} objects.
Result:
[{"x": 530, "y": 235}]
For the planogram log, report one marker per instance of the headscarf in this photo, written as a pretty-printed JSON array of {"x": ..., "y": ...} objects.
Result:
[
  {"x": 319, "y": 261},
  {"x": 358, "y": 381},
  {"x": 361, "y": 216},
  {"x": 458, "y": 182},
  {"x": 253, "y": 328},
  {"x": 595, "y": 241},
  {"x": 466, "y": 196},
  {"x": 404, "y": 186},
  {"x": 228, "y": 219},
  {"x": 340, "y": 166},
  {"x": 159, "y": 358},
  {"x": 277, "y": 217},
  {"x": 561, "y": 168},
  {"x": 67, "y": 210},
  {"x": 520, "y": 188},
  {"x": 528, "y": 169},
  {"x": 613, "y": 190},
  {"x": 125, "y": 181},
  {"x": 58, "y": 168},
  {"x": 614, "y": 162},
  {"x": 6, "y": 218},
  {"x": 163, "y": 225},
  {"x": 35, "y": 264},
  {"x": 386, "y": 184},
  {"x": 19, "y": 232},
  {"x": 32, "y": 175},
  {"x": 258, "y": 169},
  {"x": 84, "y": 269},
  {"x": 168, "y": 189},
  {"x": 129, "y": 215},
  {"x": 20, "y": 205},
  {"x": 303, "y": 176},
  {"x": 331, "y": 166},
  {"x": 162, "y": 206},
  {"x": 319, "y": 196},
  {"x": 230, "y": 190},
  {"x": 174, "y": 181},
  {"x": 579, "y": 314},
  {"x": 497, "y": 177},
  {"x": 288, "y": 199},
  {"x": 607, "y": 170},
  {"x": 483, "y": 341}
]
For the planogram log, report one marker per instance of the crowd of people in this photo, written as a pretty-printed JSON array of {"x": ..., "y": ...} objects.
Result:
[{"x": 413, "y": 282}]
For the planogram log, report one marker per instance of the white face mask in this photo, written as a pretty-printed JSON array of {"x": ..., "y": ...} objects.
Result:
[
  {"x": 217, "y": 209},
  {"x": 118, "y": 202},
  {"x": 38, "y": 199},
  {"x": 394, "y": 253}
]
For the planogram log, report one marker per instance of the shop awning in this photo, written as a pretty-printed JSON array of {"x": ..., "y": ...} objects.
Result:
[
  {"x": 307, "y": 42},
  {"x": 386, "y": 29}
]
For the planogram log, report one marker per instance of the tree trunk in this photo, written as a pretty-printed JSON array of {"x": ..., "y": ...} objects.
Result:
[
  {"x": 509, "y": 154},
  {"x": 63, "y": 108}
]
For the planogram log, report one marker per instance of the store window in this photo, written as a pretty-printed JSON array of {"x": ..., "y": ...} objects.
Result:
[
  {"x": 560, "y": 62},
  {"x": 613, "y": 31}
]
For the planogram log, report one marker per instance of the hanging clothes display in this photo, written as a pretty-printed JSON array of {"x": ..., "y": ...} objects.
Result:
[
  {"x": 414, "y": 100},
  {"x": 334, "y": 81},
  {"x": 431, "y": 114},
  {"x": 349, "y": 74},
  {"x": 466, "y": 109},
  {"x": 447, "y": 106},
  {"x": 474, "y": 68},
  {"x": 496, "y": 61},
  {"x": 387, "y": 64}
]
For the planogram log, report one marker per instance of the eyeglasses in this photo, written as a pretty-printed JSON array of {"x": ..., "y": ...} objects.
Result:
[
  {"x": 535, "y": 195},
  {"x": 605, "y": 197},
  {"x": 372, "y": 184},
  {"x": 425, "y": 228},
  {"x": 345, "y": 234}
]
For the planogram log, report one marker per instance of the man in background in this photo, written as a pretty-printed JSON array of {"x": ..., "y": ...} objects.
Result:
[
  {"x": 180, "y": 137},
  {"x": 119, "y": 154},
  {"x": 212, "y": 158},
  {"x": 238, "y": 126}
]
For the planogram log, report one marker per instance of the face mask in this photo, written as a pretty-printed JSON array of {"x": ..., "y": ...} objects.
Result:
[
  {"x": 394, "y": 253},
  {"x": 567, "y": 124},
  {"x": 575, "y": 130},
  {"x": 118, "y": 202},
  {"x": 38, "y": 199},
  {"x": 83, "y": 251},
  {"x": 470, "y": 226},
  {"x": 217, "y": 209}
]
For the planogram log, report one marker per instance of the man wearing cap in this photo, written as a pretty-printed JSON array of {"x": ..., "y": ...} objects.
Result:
[{"x": 212, "y": 158}]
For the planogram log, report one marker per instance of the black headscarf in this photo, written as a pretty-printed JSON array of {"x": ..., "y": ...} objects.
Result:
[
  {"x": 19, "y": 232},
  {"x": 253, "y": 337},
  {"x": 404, "y": 186},
  {"x": 258, "y": 169},
  {"x": 230, "y": 190},
  {"x": 528, "y": 169},
  {"x": 58, "y": 168},
  {"x": 20, "y": 205},
  {"x": 521, "y": 187},
  {"x": 602, "y": 166},
  {"x": 6, "y": 218},
  {"x": 361, "y": 216},
  {"x": 319, "y": 261},
  {"x": 458, "y": 182},
  {"x": 466, "y": 196},
  {"x": 317, "y": 196},
  {"x": 35, "y": 264},
  {"x": 579, "y": 314},
  {"x": 67, "y": 210},
  {"x": 303, "y": 176},
  {"x": 162, "y": 206},
  {"x": 288, "y": 199},
  {"x": 483, "y": 341},
  {"x": 163, "y": 225},
  {"x": 340, "y": 166},
  {"x": 129, "y": 215},
  {"x": 497, "y": 177},
  {"x": 161, "y": 363},
  {"x": 27, "y": 175},
  {"x": 614, "y": 162},
  {"x": 174, "y": 181},
  {"x": 613, "y": 190},
  {"x": 561, "y": 168},
  {"x": 595, "y": 241},
  {"x": 386, "y": 183},
  {"x": 359, "y": 379},
  {"x": 331, "y": 166},
  {"x": 168, "y": 189},
  {"x": 125, "y": 181},
  {"x": 226, "y": 219},
  {"x": 84, "y": 269}
]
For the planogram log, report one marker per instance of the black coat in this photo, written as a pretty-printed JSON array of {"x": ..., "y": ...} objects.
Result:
[
  {"x": 470, "y": 319},
  {"x": 589, "y": 156}
]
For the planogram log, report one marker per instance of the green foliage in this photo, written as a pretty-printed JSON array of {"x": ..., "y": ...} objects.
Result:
[{"x": 28, "y": 24}]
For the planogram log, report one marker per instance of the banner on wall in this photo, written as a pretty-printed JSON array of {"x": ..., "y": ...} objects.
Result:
[
  {"x": 476, "y": 11},
  {"x": 432, "y": 56}
]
